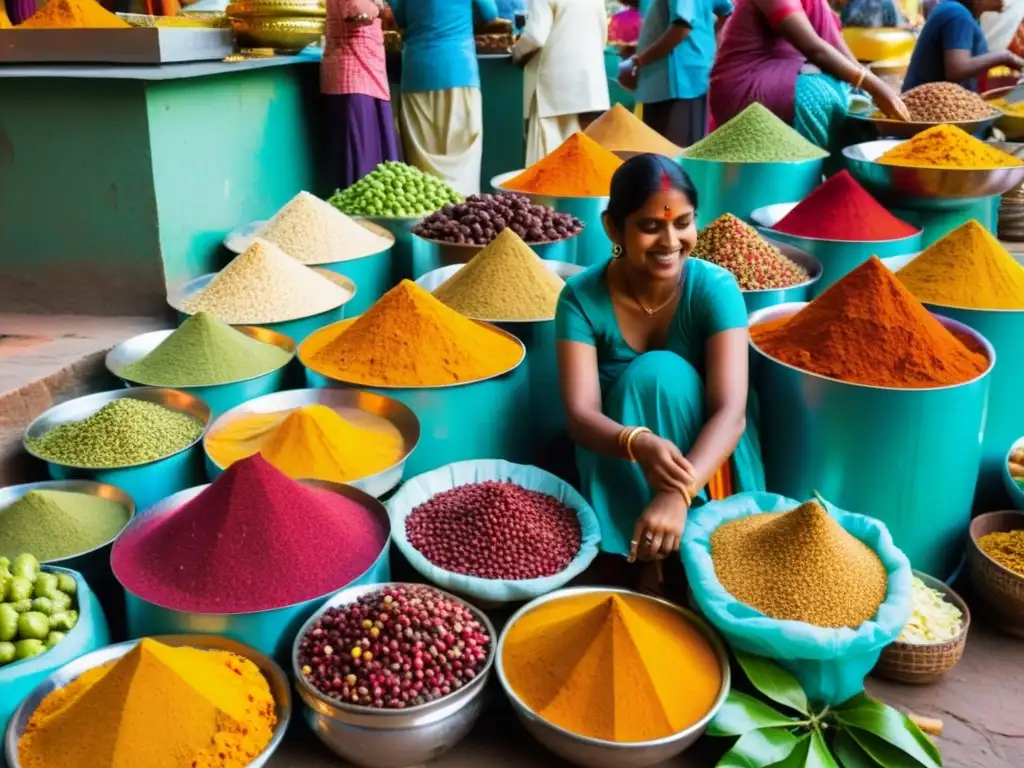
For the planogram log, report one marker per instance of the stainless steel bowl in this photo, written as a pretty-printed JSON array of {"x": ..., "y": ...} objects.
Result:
[
  {"x": 272, "y": 672},
  {"x": 355, "y": 404},
  {"x": 896, "y": 183},
  {"x": 904, "y": 129},
  {"x": 597, "y": 753},
  {"x": 400, "y": 738}
]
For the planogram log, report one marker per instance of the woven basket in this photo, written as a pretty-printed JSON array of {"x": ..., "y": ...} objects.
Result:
[
  {"x": 1000, "y": 590},
  {"x": 919, "y": 663}
]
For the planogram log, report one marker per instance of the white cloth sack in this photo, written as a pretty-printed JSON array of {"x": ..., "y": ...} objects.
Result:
[
  {"x": 421, "y": 488},
  {"x": 443, "y": 135}
]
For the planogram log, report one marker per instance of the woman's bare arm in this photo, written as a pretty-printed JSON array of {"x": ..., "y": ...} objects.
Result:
[
  {"x": 581, "y": 396},
  {"x": 960, "y": 65}
]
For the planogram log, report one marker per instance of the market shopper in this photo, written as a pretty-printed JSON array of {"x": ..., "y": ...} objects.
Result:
[
  {"x": 565, "y": 84},
  {"x": 652, "y": 356},
  {"x": 952, "y": 46},
  {"x": 354, "y": 81},
  {"x": 670, "y": 69},
  {"x": 441, "y": 111},
  {"x": 790, "y": 56}
]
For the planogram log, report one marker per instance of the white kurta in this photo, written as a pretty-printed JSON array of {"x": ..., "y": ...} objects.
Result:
[
  {"x": 442, "y": 133},
  {"x": 566, "y": 76}
]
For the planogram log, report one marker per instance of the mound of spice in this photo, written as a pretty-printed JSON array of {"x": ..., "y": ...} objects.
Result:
[
  {"x": 946, "y": 146},
  {"x": 867, "y": 328},
  {"x": 479, "y": 219},
  {"x": 755, "y": 135},
  {"x": 933, "y": 619},
  {"x": 757, "y": 264},
  {"x": 314, "y": 232},
  {"x": 410, "y": 339},
  {"x": 123, "y": 433},
  {"x": 266, "y": 285},
  {"x": 399, "y": 647},
  {"x": 253, "y": 540},
  {"x": 58, "y": 524},
  {"x": 619, "y": 130},
  {"x": 202, "y": 352},
  {"x": 968, "y": 268},
  {"x": 505, "y": 281},
  {"x": 496, "y": 530},
  {"x": 1006, "y": 548},
  {"x": 313, "y": 441},
  {"x": 1015, "y": 110},
  {"x": 799, "y": 565},
  {"x": 73, "y": 14},
  {"x": 158, "y": 706},
  {"x": 841, "y": 209},
  {"x": 580, "y": 167},
  {"x": 616, "y": 667},
  {"x": 945, "y": 103},
  {"x": 394, "y": 190}
]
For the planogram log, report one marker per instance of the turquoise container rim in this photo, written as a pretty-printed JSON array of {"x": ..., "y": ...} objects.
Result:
[
  {"x": 127, "y": 352},
  {"x": 780, "y": 311},
  {"x": 363, "y": 385},
  {"x": 767, "y": 216},
  {"x": 498, "y": 183},
  {"x": 1014, "y": 491},
  {"x": 176, "y": 500},
  {"x": 176, "y": 297},
  {"x": 80, "y": 408},
  {"x": 238, "y": 239},
  {"x": 12, "y": 493}
]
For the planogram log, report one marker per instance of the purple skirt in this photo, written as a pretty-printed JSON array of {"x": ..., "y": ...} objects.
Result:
[{"x": 360, "y": 136}]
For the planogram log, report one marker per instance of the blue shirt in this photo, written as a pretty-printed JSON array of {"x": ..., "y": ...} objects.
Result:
[
  {"x": 950, "y": 27},
  {"x": 684, "y": 73},
  {"x": 438, "y": 50}
]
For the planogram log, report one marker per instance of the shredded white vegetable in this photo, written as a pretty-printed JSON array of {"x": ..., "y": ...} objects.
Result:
[{"x": 932, "y": 619}]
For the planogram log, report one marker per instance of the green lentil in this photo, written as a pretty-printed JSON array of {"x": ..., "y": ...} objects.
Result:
[
  {"x": 122, "y": 433},
  {"x": 394, "y": 189},
  {"x": 205, "y": 351},
  {"x": 57, "y": 524},
  {"x": 755, "y": 135}
]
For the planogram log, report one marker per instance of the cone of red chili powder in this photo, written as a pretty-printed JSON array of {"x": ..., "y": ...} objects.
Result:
[
  {"x": 841, "y": 209},
  {"x": 254, "y": 540}
]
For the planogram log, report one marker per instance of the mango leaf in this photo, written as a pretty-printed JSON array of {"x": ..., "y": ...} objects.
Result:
[
  {"x": 798, "y": 757},
  {"x": 757, "y": 748},
  {"x": 774, "y": 682},
  {"x": 889, "y": 725},
  {"x": 741, "y": 714},
  {"x": 882, "y": 752},
  {"x": 850, "y": 753},
  {"x": 819, "y": 756}
]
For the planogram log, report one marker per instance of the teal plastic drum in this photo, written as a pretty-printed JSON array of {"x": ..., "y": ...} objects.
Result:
[
  {"x": 271, "y": 632},
  {"x": 909, "y": 457},
  {"x": 837, "y": 257},
  {"x": 741, "y": 188},
  {"x": 19, "y": 679},
  {"x": 756, "y": 300},
  {"x": 403, "y": 254},
  {"x": 936, "y": 221},
  {"x": 433, "y": 254},
  {"x": 145, "y": 483}
]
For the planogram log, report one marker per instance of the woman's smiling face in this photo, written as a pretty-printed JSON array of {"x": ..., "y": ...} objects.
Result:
[{"x": 660, "y": 234}]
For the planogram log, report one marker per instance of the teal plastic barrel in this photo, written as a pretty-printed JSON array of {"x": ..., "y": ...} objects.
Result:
[
  {"x": 909, "y": 457},
  {"x": 402, "y": 253},
  {"x": 372, "y": 274},
  {"x": 741, "y": 188},
  {"x": 837, "y": 257},
  {"x": 937, "y": 218}
]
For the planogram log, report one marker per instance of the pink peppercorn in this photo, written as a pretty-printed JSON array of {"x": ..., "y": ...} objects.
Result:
[{"x": 757, "y": 264}]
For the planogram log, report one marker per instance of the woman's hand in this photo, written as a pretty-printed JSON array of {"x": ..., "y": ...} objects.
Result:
[
  {"x": 886, "y": 98},
  {"x": 659, "y": 529},
  {"x": 627, "y": 74},
  {"x": 664, "y": 465}
]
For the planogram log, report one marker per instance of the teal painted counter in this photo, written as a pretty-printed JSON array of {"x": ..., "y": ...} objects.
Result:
[{"x": 119, "y": 181}]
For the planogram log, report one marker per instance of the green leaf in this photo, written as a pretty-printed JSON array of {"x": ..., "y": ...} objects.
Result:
[
  {"x": 819, "y": 756},
  {"x": 850, "y": 753},
  {"x": 774, "y": 682},
  {"x": 881, "y": 751},
  {"x": 891, "y": 726},
  {"x": 798, "y": 757},
  {"x": 741, "y": 714},
  {"x": 758, "y": 748}
]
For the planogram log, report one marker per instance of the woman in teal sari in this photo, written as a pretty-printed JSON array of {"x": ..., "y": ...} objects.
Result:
[{"x": 652, "y": 355}]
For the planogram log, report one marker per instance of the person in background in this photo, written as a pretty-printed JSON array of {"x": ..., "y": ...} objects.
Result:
[
  {"x": 790, "y": 56},
  {"x": 952, "y": 47},
  {"x": 565, "y": 84},
  {"x": 652, "y": 359},
  {"x": 441, "y": 112},
  {"x": 670, "y": 70},
  {"x": 624, "y": 27},
  {"x": 354, "y": 81},
  {"x": 872, "y": 14},
  {"x": 509, "y": 9}
]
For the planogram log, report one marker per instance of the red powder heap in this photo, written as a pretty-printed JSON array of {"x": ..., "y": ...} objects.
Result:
[
  {"x": 841, "y": 209},
  {"x": 252, "y": 541}
]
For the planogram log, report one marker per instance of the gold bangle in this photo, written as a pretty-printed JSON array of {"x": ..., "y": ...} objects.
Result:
[
  {"x": 861, "y": 77},
  {"x": 623, "y": 436},
  {"x": 632, "y": 436}
]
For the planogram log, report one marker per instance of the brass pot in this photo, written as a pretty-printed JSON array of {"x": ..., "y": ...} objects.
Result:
[
  {"x": 287, "y": 9},
  {"x": 283, "y": 34}
]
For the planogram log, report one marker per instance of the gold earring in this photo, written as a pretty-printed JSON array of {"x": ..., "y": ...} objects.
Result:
[{"x": 616, "y": 251}]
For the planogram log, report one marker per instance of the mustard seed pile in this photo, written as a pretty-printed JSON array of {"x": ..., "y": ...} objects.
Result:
[
  {"x": 799, "y": 565},
  {"x": 945, "y": 103},
  {"x": 756, "y": 264}
]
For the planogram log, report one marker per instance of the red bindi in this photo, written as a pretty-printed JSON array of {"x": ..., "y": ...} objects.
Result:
[{"x": 666, "y": 185}]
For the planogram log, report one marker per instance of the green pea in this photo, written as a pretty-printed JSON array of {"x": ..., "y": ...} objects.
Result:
[
  {"x": 5, "y": 583},
  {"x": 8, "y": 622},
  {"x": 25, "y": 566},
  {"x": 64, "y": 621},
  {"x": 61, "y": 601},
  {"x": 33, "y": 626},
  {"x": 7, "y": 653},
  {"x": 66, "y": 583},
  {"x": 20, "y": 588},
  {"x": 43, "y": 605},
  {"x": 22, "y": 606},
  {"x": 5, "y": 562},
  {"x": 45, "y": 584},
  {"x": 26, "y": 649},
  {"x": 53, "y": 638}
]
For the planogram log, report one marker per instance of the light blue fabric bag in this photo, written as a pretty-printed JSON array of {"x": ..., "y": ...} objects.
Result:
[
  {"x": 831, "y": 664},
  {"x": 422, "y": 487}
]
